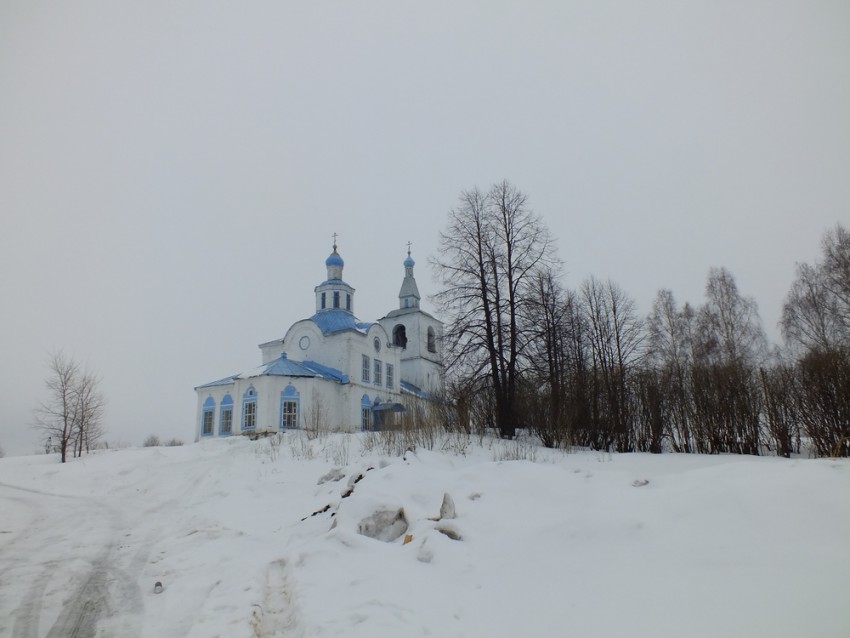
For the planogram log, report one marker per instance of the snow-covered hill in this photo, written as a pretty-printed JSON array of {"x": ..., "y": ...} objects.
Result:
[{"x": 582, "y": 544}]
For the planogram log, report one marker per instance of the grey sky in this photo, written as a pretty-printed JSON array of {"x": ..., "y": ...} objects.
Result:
[{"x": 171, "y": 173}]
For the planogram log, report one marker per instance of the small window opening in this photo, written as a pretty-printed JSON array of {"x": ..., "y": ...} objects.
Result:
[{"x": 400, "y": 336}]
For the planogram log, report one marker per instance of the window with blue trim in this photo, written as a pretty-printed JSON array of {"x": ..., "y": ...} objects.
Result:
[
  {"x": 365, "y": 369},
  {"x": 289, "y": 400},
  {"x": 249, "y": 409},
  {"x": 365, "y": 413},
  {"x": 208, "y": 416},
  {"x": 225, "y": 418}
]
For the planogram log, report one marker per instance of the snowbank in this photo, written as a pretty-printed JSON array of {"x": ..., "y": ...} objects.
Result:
[{"x": 248, "y": 541}]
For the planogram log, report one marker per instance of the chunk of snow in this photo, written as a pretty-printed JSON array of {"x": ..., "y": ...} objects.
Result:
[
  {"x": 384, "y": 525},
  {"x": 335, "y": 474},
  {"x": 447, "y": 509}
]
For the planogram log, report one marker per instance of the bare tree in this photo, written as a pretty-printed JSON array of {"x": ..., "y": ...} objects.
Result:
[
  {"x": 816, "y": 327},
  {"x": 315, "y": 417},
  {"x": 780, "y": 409},
  {"x": 731, "y": 347},
  {"x": 836, "y": 265},
  {"x": 816, "y": 314},
  {"x": 823, "y": 401},
  {"x": 729, "y": 326},
  {"x": 71, "y": 416},
  {"x": 489, "y": 254},
  {"x": 547, "y": 382},
  {"x": 670, "y": 353},
  {"x": 55, "y": 416},
  {"x": 809, "y": 320},
  {"x": 616, "y": 345},
  {"x": 88, "y": 413}
]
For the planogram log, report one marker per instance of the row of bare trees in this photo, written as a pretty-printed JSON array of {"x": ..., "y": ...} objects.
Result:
[
  {"x": 71, "y": 418},
  {"x": 582, "y": 367}
]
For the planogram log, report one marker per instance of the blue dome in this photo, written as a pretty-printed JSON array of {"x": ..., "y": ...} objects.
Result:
[
  {"x": 334, "y": 259},
  {"x": 409, "y": 263}
]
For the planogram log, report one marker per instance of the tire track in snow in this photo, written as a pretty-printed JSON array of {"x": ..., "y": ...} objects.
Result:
[
  {"x": 107, "y": 591},
  {"x": 276, "y": 616},
  {"x": 23, "y": 623},
  {"x": 92, "y": 597}
]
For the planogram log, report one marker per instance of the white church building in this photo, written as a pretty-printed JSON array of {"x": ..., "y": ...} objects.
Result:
[{"x": 332, "y": 370}]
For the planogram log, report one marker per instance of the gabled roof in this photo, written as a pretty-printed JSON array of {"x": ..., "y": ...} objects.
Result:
[
  {"x": 409, "y": 311},
  {"x": 280, "y": 367},
  {"x": 331, "y": 321},
  {"x": 284, "y": 367},
  {"x": 224, "y": 381}
]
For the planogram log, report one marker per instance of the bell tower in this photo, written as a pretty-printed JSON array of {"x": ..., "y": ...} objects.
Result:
[
  {"x": 417, "y": 334},
  {"x": 334, "y": 293}
]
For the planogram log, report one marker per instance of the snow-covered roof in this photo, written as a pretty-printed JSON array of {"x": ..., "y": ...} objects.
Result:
[
  {"x": 224, "y": 381},
  {"x": 280, "y": 367},
  {"x": 284, "y": 367},
  {"x": 331, "y": 321},
  {"x": 410, "y": 310},
  {"x": 326, "y": 371},
  {"x": 414, "y": 390}
]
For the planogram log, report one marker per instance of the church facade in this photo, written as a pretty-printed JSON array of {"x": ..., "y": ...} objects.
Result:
[{"x": 331, "y": 370}]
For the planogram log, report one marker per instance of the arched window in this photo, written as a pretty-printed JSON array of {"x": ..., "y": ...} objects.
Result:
[
  {"x": 400, "y": 336},
  {"x": 377, "y": 414},
  {"x": 207, "y": 417},
  {"x": 289, "y": 400},
  {"x": 249, "y": 409},
  {"x": 336, "y": 299},
  {"x": 225, "y": 419},
  {"x": 432, "y": 340},
  {"x": 365, "y": 413}
]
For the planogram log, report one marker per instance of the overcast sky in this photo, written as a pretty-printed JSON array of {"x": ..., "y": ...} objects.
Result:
[{"x": 171, "y": 172}]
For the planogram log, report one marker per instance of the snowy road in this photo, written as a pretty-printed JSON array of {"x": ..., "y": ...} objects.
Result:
[{"x": 67, "y": 594}]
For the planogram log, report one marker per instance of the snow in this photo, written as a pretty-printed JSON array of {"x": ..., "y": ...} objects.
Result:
[{"x": 569, "y": 544}]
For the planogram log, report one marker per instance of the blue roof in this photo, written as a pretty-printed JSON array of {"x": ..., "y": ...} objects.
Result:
[
  {"x": 326, "y": 371},
  {"x": 331, "y": 321},
  {"x": 412, "y": 389},
  {"x": 284, "y": 367},
  {"x": 224, "y": 381}
]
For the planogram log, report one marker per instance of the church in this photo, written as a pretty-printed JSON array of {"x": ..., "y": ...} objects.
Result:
[{"x": 333, "y": 371}]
